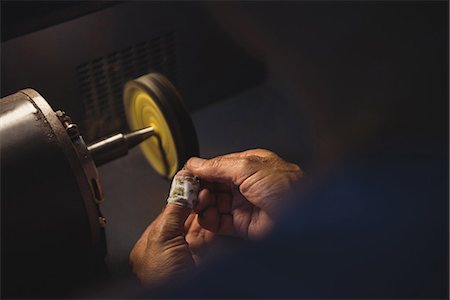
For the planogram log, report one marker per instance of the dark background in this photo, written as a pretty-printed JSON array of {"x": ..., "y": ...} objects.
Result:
[{"x": 312, "y": 81}]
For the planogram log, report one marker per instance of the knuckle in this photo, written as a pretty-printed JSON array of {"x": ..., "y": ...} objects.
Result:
[
  {"x": 252, "y": 160},
  {"x": 133, "y": 255},
  {"x": 267, "y": 153},
  {"x": 249, "y": 164},
  {"x": 296, "y": 171},
  {"x": 261, "y": 152},
  {"x": 216, "y": 162},
  {"x": 296, "y": 168}
]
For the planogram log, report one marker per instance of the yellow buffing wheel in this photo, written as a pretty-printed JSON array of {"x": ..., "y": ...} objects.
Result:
[{"x": 151, "y": 100}]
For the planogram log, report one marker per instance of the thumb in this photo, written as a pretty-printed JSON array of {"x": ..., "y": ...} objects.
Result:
[
  {"x": 183, "y": 193},
  {"x": 169, "y": 224},
  {"x": 176, "y": 215}
]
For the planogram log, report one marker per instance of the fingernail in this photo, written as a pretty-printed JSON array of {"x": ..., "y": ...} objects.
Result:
[{"x": 196, "y": 162}]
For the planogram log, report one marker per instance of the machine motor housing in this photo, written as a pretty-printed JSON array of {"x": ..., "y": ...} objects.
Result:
[{"x": 52, "y": 235}]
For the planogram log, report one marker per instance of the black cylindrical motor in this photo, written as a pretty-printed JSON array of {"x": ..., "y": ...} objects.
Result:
[
  {"x": 49, "y": 202},
  {"x": 53, "y": 241}
]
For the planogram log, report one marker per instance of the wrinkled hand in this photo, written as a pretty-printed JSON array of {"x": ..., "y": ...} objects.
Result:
[
  {"x": 241, "y": 195},
  {"x": 162, "y": 251},
  {"x": 242, "y": 191}
]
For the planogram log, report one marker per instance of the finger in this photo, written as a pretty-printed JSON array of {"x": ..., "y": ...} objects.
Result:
[
  {"x": 210, "y": 219},
  {"x": 200, "y": 241},
  {"x": 176, "y": 214},
  {"x": 196, "y": 236},
  {"x": 208, "y": 195},
  {"x": 170, "y": 225},
  {"x": 218, "y": 223},
  {"x": 257, "y": 152},
  {"x": 200, "y": 238},
  {"x": 223, "y": 202},
  {"x": 252, "y": 152},
  {"x": 183, "y": 172},
  {"x": 220, "y": 187},
  {"x": 226, "y": 226},
  {"x": 189, "y": 221},
  {"x": 222, "y": 168},
  {"x": 183, "y": 194},
  {"x": 205, "y": 199},
  {"x": 184, "y": 189}
]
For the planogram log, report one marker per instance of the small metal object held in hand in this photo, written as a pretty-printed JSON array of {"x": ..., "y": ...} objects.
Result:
[
  {"x": 117, "y": 145},
  {"x": 184, "y": 190}
]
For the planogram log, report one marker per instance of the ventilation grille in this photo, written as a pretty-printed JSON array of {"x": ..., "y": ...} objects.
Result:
[{"x": 101, "y": 82}]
